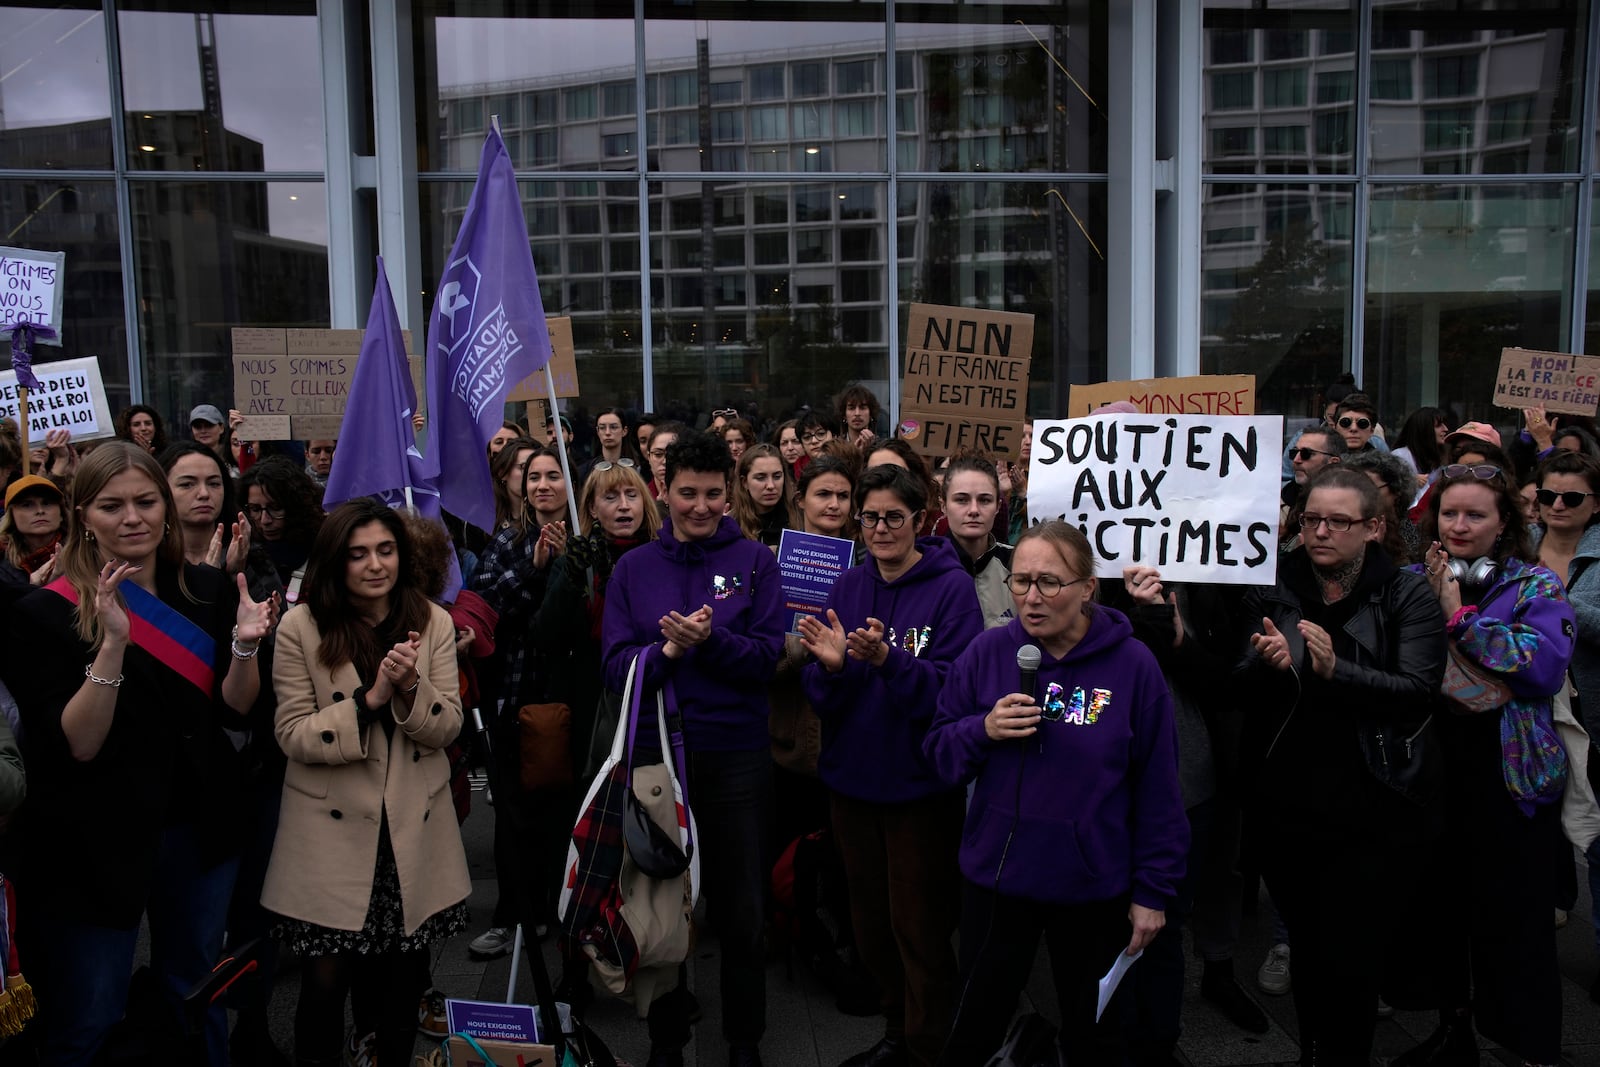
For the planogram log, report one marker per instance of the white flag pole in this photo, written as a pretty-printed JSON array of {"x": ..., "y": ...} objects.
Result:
[{"x": 561, "y": 445}]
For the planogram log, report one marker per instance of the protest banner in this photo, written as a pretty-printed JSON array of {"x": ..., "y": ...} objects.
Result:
[
  {"x": 1195, "y": 496},
  {"x": 301, "y": 375},
  {"x": 809, "y": 565},
  {"x": 563, "y": 365},
  {"x": 71, "y": 397},
  {"x": 966, "y": 380},
  {"x": 1558, "y": 381},
  {"x": 1202, "y": 394},
  {"x": 31, "y": 291}
]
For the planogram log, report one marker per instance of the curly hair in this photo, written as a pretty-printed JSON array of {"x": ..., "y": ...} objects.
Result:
[
  {"x": 1514, "y": 540},
  {"x": 700, "y": 453},
  {"x": 123, "y": 425},
  {"x": 287, "y": 484}
]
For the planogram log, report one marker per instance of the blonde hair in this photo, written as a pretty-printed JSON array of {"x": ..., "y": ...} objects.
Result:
[
  {"x": 79, "y": 559},
  {"x": 613, "y": 477}
]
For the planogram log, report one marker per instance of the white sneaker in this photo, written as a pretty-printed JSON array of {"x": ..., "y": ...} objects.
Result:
[
  {"x": 492, "y": 943},
  {"x": 1273, "y": 977}
]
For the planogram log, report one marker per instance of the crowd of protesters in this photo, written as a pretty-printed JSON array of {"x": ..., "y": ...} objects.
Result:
[{"x": 240, "y": 718}]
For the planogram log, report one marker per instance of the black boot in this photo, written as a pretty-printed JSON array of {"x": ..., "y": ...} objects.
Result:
[
  {"x": 1453, "y": 1044},
  {"x": 1221, "y": 988},
  {"x": 890, "y": 1052}
]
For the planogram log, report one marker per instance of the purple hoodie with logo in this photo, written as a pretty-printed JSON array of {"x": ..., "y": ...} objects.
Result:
[
  {"x": 1101, "y": 812},
  {"x": 874, "y": 719},
  {"x": 721, "y": 684}
]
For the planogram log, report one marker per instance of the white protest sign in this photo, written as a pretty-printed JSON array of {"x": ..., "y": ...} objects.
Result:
[
  {"x": 1195, "y": 496},
  {"x": 31, "y": 289},
  {"x": 72, "y": 398}
]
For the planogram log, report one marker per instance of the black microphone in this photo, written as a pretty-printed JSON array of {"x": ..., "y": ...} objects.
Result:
[{"x": 1028, "y": 659}]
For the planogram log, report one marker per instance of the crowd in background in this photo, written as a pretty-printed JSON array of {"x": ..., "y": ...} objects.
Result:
[{"x": 251, "y": 717}]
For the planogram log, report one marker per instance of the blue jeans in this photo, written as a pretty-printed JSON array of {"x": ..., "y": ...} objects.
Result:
[{"x": 86, "y": 970}]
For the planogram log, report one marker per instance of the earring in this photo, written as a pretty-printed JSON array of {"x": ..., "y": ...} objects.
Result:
[
  {"x": 165, "y": 529},
  {"x": 88, "y": 536}
]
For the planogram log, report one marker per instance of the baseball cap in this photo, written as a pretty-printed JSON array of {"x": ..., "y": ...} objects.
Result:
[
  {"x": 206, "y": 413},
  {"x": 1478, "y": 431},
  {"x": 29, "y": 482}
]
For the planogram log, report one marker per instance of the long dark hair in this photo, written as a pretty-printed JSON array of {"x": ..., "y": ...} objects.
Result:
[
  {"x": 1420, "y": 434},
  {"x": 228, "y": 512},
  {"x": 123, "y": 425},
  {"x": 346, "y": 637}
]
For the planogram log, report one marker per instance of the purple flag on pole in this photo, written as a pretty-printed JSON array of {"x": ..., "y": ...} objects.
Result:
[{"x": 486, "y": 334}]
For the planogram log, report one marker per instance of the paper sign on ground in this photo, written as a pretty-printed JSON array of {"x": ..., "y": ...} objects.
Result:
[
  {"x": 73, "y": 398},
  {"x": 299, "y": 375},
  {"x": 31, "y": 289},
  {"x": 487, "y": 1019},
  {"x": 966, "y": 380},
  {"x": 809, "y": 565},
  {"x": 1202, "y": 394},
  {"x": 1195, "y": 496},
  {"x": 1559, "y": 381},
  {"x": 563, "y": 366}
]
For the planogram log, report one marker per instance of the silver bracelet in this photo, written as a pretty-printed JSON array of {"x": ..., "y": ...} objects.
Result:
[
  {"x": 414, "y": 685},
  {"x": 233, "y": 646},
  {"x": 88, "y": 672}
]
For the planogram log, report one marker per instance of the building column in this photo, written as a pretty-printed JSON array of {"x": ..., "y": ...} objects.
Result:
[
  {"x": 1131, "y": 170},
  {"x": 395, "y": 138},
  {"x": 347, "y": 303},
  {"x": 1180, "y": 116}
]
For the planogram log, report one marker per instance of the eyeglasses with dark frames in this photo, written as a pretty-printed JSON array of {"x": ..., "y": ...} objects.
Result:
[
  {"x": 892, "y": 519},
  {"x": 1336, "y": 523},
  {"x": 1049, "y": 585}
]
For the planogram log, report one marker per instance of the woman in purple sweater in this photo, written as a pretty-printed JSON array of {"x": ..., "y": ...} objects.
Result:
[
  {"x": 893, "y": 626},
  {"x": 1076, "y": 829}
]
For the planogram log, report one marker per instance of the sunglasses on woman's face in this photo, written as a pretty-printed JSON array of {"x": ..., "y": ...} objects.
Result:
[
  {"x": 1347, "y": 423},
  {"x": 1571, "y": 498}
]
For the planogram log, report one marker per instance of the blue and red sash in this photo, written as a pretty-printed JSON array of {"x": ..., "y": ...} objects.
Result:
[{"x": 164, "y": 632}]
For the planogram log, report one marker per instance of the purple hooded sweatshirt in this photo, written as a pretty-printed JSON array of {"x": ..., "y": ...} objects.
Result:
[
  {"x": 721, "y": 684},
  {"x": 1101, "y": 813},
  {"x": 874, "y": 719}
]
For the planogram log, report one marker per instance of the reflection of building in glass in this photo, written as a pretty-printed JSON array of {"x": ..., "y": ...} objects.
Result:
[{"x": 744, "y": 269}]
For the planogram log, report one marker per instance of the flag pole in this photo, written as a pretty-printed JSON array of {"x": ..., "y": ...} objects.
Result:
[
  {"x": 22, "y": 428},
  {"x": 561, "y": 441}
]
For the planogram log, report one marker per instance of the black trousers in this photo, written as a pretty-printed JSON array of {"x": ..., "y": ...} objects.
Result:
[{"x": 999, "y": 939}]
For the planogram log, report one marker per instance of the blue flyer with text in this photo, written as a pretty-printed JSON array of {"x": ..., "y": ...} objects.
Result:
[{"x": 809, "y": 565}]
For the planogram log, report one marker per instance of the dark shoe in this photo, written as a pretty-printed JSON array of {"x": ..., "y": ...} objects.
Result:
[
  {"x": 744, "y": 1056},
  {"x": 251, "y": 1045},
  {"x": 890, "y": 1052},
  {"x": 665, "y": 1057},
  {"x": 1453, "y": 1044},
  {"x": 1222, "y": 989}
]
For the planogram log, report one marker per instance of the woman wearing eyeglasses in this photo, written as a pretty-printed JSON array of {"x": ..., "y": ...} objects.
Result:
[
  {"x": 882, "y": 652},
  {"x": 1492, "y": 879},
  {"x": 1076, "y": 830},
  {"x": 1343, "y": 668},
  {"x": 816, "y": 428},
  {"x": 284, "y": 507}
]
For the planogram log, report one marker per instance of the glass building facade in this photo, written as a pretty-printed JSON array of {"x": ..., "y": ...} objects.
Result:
[{"x": 736, "y": 203}]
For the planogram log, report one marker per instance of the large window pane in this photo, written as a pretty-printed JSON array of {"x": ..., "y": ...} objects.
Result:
[
  {"x": 1275, "y": 288},
  {"x": 210, "y": 256},
  {"x": 53, "y": 91},
  {"x": 1454, "y": 274},
  {"x": 826, "y": 59},
  {"x": 207, "y": 89},
  {"x": 80, "y": 219},
  {"x": 1018, "y": 246},
  {"x": 1511, "y": 87},
  {"x": 1008, "y": 89},
  {"x": 575, "y": 76}
]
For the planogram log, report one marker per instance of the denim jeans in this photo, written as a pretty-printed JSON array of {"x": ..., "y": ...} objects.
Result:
[{"x": 85, "y": 972}]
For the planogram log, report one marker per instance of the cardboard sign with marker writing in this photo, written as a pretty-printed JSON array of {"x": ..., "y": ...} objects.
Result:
[
  {"x": 563, "y": 366},
  {"x": 966, "y": 380},
  {"x": 1559, "y": 381},
  {"x": 1202, "y": 394},
  {"x": 293, "y": 384}
]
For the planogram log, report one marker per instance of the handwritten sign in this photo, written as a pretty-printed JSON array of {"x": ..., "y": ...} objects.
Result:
[
  {"x": 31, "y": 290},
  {"x": 1557, "y": 380},
  {"x": 73, "y": 398},
  {"x": 302, "y": 376},
  {"x": 966, "y": 380},
  {"x": 1202, "y": 394},
  {"x": 808, "y": 567},
  {"x": 563, "y": 366},
  {"x": 1193, "y": 495}
]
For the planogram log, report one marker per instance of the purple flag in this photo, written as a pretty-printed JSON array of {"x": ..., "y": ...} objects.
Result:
[
  {"x": 23, "y": 333},
  {"x": 486, "y": 334}
]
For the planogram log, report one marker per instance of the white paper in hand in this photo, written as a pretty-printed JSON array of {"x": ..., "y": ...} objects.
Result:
[{"x": 1113, "y": 978}]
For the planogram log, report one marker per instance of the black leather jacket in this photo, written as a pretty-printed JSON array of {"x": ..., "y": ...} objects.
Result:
[{"x": 1389, "y": 661}]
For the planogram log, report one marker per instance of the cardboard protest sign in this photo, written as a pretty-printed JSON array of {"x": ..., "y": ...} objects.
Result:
[
  {"x": 299, "y": 375},
  {"x": 966, "y": 380},
  {"x": 563, "y": 366},
  {"x": 31, "y": 289},
  {"x": 73, "y": 398},
  {"x": 1195, "y": 496},
  {"x": 809, "y": 565},
  {"x": 1202, "y": 394},
  {"x": 1557, "y": 380}
]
